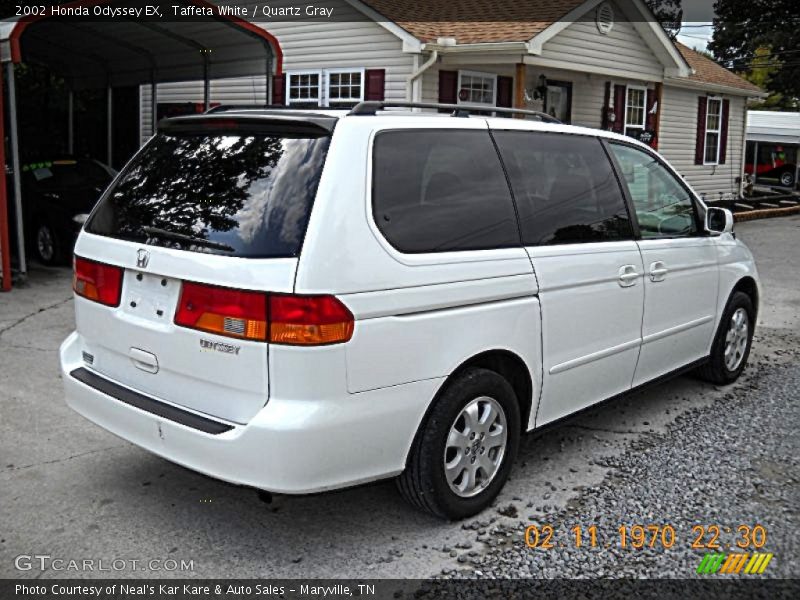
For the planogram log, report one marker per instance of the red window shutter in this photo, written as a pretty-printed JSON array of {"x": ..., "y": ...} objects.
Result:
[
  {"x": 376, "y": 84},
  {"x": 606, "y": 106},
  {"x": 700, "y": 142},
  {"x": 723, "y": 143},
  {"x": 505, "y": 91},
  {"x": 448, "y": 84},
  {"x": 620, "y": 96},
  {"x": 278, "y": 90}
]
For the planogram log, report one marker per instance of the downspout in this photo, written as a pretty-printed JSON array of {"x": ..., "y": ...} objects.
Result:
[
  {"x": 418, "y": 73},
  {"x": 744, "y": 152}
]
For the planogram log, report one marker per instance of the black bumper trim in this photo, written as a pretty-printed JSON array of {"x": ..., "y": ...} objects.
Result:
[{"x": 147, "y": 404}]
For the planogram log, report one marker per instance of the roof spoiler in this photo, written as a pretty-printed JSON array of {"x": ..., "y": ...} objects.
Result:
[
  {"x": 371, "y": 107},
  {"x": 266, "y": 122}
]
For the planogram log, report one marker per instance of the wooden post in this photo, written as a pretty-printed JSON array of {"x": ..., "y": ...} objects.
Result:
[{"x": 519, "y": 87}]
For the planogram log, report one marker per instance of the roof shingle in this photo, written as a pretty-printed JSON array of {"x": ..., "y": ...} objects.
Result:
[
  {"x": 707, "y": 71},
  {"x": 474, "y": 21}
]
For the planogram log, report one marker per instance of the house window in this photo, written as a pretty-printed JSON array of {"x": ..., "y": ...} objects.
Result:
[
  {"x": 477, "y": 88},
  {"x": 635, "y": 111},
  {"x": 345, "y": 87},
  {"x": 304, "y": 88},
  {"x": 713, "y": 131}
]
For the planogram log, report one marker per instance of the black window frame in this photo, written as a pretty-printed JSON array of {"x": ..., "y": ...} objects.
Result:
[
  {"x": 518, "y": 235},
  {"x": 698, "y": 218}
]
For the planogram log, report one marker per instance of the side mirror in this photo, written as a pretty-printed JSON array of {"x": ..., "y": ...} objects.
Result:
[{"x": 719, "y": 220}]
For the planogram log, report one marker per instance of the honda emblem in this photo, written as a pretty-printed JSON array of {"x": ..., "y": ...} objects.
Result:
[{"x": 142, "y": 258}]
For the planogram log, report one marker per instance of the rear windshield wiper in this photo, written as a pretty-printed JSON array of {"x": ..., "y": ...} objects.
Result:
[{"x": 180, "y": 237}]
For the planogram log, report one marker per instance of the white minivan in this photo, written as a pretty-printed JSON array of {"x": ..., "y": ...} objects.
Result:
[{"x": 301, "y": 301}]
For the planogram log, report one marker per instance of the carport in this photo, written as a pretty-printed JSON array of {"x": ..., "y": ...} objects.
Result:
[{"x": 104, "y": 54}]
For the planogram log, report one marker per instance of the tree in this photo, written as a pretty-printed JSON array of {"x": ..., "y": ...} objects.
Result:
[
  {"x": 760, "y": 39},
  {"x": 668, "y": 13}
]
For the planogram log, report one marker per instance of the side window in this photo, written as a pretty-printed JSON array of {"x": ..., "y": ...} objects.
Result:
[
  {"x": 565, "y": 188},
  {"x": 663, "y": 206},
  {"x": 441, "y": 190}
]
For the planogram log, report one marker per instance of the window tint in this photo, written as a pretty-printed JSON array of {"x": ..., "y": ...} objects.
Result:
[
  {"x": 440, "y": 190},
  {"x": 565, "y": 188},
  {"x": 238, "y": 195},
  {"x": 663, "y": 206}
]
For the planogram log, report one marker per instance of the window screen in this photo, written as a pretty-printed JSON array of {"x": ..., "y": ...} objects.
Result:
[
  {"x": 565, "y": 188},
  {"x": 440, "y": 190}
]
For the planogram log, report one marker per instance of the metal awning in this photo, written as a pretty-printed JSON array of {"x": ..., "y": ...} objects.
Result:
[{"x": 91, "y": 53}]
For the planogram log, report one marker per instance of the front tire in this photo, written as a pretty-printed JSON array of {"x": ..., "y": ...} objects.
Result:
[
  {"x": 465, "y": 448},
  {"x": 731, "y": 346}
]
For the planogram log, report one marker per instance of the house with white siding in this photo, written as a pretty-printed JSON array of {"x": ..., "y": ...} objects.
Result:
[{"x": 597, "y": 63}]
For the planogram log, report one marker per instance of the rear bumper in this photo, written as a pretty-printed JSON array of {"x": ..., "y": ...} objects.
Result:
[{"x": 291, "y": 446}]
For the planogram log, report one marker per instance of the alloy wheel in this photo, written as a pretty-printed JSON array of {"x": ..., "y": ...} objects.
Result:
[
  {"x": 736, "y": 339},
  {"x": 476, "y": 445}
]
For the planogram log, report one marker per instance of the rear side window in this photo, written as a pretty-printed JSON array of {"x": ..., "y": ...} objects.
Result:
[
  {"x": 233, "y": 194},
  {"x": 564, "y": 187},
  {"x": 441, "y": 190}
]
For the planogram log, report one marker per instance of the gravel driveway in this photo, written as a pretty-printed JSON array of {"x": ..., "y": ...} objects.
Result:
[{"x": 683, "y": 453}]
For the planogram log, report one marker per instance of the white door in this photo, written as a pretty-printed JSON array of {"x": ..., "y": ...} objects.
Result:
[
  {"x": 577, "y": 231},
  {"x": 680, "y": 262}
]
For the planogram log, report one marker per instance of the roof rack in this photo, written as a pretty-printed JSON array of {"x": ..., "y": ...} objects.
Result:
[{"x": 371, "y": 107}]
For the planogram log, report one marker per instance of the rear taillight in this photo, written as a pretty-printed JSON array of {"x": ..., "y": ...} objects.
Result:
[
  {"x": 235, "y": 313},
  {"x": 277, "y": 318},
  {"x": 309, "y": 320},
  {"x": 97, "y": 281}
]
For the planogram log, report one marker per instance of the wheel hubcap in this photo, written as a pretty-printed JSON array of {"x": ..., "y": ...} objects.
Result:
[
  {"x": 44, "y": 242},
  {"x": 736, "y": 339},
  {"x": 475, "y": 446}
]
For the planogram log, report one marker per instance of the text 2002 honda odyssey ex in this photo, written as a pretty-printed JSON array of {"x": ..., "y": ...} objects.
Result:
[{"x": 301, "y": 301}]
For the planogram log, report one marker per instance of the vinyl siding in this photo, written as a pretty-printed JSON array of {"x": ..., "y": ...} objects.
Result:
[
  {"x": 623, "y": 49},
  {"x": 349, "y": 41},
  {"x": 677, "y": 142}
]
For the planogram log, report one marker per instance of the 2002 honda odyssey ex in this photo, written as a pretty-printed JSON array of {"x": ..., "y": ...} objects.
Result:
[{"x": 300, "y": 301}]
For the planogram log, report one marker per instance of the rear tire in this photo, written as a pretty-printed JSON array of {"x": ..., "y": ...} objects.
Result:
[
  {"x": 731, "y": 346},
  {"x": 47, "y": 244},
  {"x": 465, "y": 448}
]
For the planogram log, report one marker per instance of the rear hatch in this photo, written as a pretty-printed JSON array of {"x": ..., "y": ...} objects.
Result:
[{"x": 172, "y": 266}]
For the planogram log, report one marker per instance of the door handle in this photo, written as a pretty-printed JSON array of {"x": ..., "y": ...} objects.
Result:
[
  {"x": 658, "y": 271},
  {"x": 628, "y": 276},
  {"x": 146, "y": 361}
]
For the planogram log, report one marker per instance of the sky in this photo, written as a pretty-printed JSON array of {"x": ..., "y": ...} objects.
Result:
[{"x": 696, "y": 27}]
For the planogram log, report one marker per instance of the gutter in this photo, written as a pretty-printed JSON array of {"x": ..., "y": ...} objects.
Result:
[
  {"x": 450, "y": 46},
  {"x": 721, "y": 89},
  {"x": 418, "y": 73}
]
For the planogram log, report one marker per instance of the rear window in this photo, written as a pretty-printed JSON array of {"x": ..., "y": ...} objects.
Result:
[
  {"x": 441, "y": 190},
  {"x": 236, "y": 194}
]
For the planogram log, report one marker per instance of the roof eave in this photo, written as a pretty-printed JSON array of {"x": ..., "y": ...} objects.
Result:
[
  {"x": 522, "y": 47},
  {"x": 693, "y": 84}
]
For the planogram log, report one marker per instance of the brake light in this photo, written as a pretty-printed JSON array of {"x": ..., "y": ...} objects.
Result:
[
  {"x": 97, "y": 281},
  {"x": 309, "y": 320},
  {"x": 225, "y": 311},
  {"x": 277, "y": 318}
]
